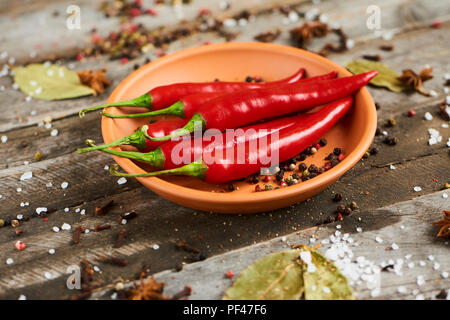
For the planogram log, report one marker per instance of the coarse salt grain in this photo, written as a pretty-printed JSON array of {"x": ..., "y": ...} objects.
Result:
[
  {"x": 402, "y": 290},
  {"x": 428, "y": 116},
  {"x": 420, "y": 297},
  {"x": 54, "y": 132},
  {"x": 49, "y": 184},
  {"x": 66, "y": 209},
  {"x": 394, "y": 246},
  {"x": 122, "y": 180},
  {"x": 26, "y": 175},
  {"x": 283, "y": 239},
  {"x": 445, "y": 195},
  {"x": 155, "y": 247},
  {"x": 40, "y": 210},
  {"x": 83, "y": 212},
  {"x": 66, "y": 226},
  {"x": 64, "y": 185},
  {"x": 378, "y": 239},
  {"x": 48, "y": 275},
  {"x": 359, "y": 230},
  {"x": 420, "y": 281},
  {"x": 392, "y": 167},
  {"x": 4, "y": 139},
  {"x": 22, "y": 297},
  {"x": 106, "y": 167},
  {"x": 19, "y": 189},
  {"x": 436, "y": 266},
  {"x": 124, "y": 221},
  {"x": 417, "y": 189},
  {"x": 422, "y": 263},
  {"x": 9, "y": 261},
  {"x": 431, "y": 258},
  {"x": 51, "y": 251},
  {"x": 411, "y": 265},
  {"x": 55, "y": 229},
  {"x": 444, "y": 275}
]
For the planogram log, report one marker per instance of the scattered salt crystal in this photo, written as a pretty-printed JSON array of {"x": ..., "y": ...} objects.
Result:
[
  {"x": 9, "y": 261},
  {"x": 40, "y": 210},
  {"x": 50, "y": 73},
  {"x": 19, "y": 216},
  {"x": 411, "y": 265},
  {"x": 326, "y": 290},
  {"x": 114, "y": 296},
  {"x": 338, "y": 226},
  {"x": 375, "y": 293},
  {"x": 66, "y": 226},
  {"x": 444, "y": 125},
  {"x": 66, "y": 209},
  {"x": 445, "y": 195},
  {"x": 428, "y": 116},
  {"x": 48, "y": 275},
  {"x": 359, "y": 229},
  {"x": 83, "y": 212},
  {"x": 392, "y": 167},
  {"x": 122, "y": 180},
  {"x": 293, "y": 16},
  {"x": 48, "y": 125},
  {"x": 15, "y": 86},
  {"x": 350, "y": 43},
  {"x": 87, "y": 231},
  {"x": 420, "y": 297},
  {"x": 433, "y": 93},
  {"x": 283, "y": 239},
  {"x": 378, "y": 239},
  {"x": 436, "y": 266},
  {"x": 51, "y": 251},
  {"x": 106, "y": 167},
  {"x": 26, "y": 175},
  {"x": 155, "y": 247},
  {"x": 444, "y": 275},
  {"x": 96, "y": 269},
  {"x": 394, "y": 246},
  {"x": 77, "y": 210},
  {"x": 64, "y": 185},
  {"x": 402, "y": 227},
  {"x": 54, "y": 132},
  {"x": 22, "y": 297},
  {"x": 55, "y": 229},
  {"x": 124, "y": 221},
  {"x": 19, "y": 189},
  {"x": 431, "y": 258},
  {"x": 420, "y": 280},
  {"x": 417, "y": 189},
  {"x": 49, "y": 184},
  {"x": 408, "y": 256},
  {"x": 402, "y": 290},
  {"x": 4, "y": 139},
  {"x": 223, "y": 5},
  {"x": 422, "y": 263},
  {"x": 28, "y": 98},
  {"x": 230, "y": 23},
  {"x": 38, "y": 90},
  {"x": 385, "y": 133}
]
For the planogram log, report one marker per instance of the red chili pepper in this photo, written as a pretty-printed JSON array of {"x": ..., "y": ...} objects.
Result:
[
  {"x": 234, "y": 110},
  {"x": 164, "y": 96},
  {"x": 187, "y": 106},
  {"x": 290, "y": 142},
  {"x": 162, "y": 156}
]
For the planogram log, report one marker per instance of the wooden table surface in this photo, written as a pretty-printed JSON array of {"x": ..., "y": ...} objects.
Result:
[{"x": 389, "y": 207}]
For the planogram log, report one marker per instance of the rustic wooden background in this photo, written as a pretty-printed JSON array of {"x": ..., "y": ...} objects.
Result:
[{"x": 35, "y": 31}]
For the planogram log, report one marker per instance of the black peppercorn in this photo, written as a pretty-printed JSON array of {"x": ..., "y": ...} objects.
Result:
[
  {"x": 340, "y": 208},
  {"x": 312, "y": 175},
  {"x": 305, "y": 178},
  {"x": 302, "y": 157},
  {"x": 254, "y": 179},
  {"x": 373, "y": 150},
  {"x": 337, "y": 151},
  {"x": 279, "y": 176},
  {"x": 391, "y": 141},
  {"x": 249, "y": 79},
  {"x": 323, "y": 142},
  {"x": 334, "y": 162},
  {"x": 347, "y": 211},
  {"x": 313, "y": 168},
  {"x": 231, "y": 187},
  {"x": 295, "y": 176},
  {"x": 378, "y": 132},
  {"x": 337, "y": 197},
  {"x": 302, "y": 167},
  {"x": 328, "y": 157}
]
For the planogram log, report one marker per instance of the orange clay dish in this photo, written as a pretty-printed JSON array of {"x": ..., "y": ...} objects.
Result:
[{"x": 231, "y": 62}]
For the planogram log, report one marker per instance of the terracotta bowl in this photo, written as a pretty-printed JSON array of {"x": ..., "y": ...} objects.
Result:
[{"x": 233, "y": 62}]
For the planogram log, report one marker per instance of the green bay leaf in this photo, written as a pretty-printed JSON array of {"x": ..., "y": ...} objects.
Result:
[
  {"x": 326, "y": 282},
  {"x": 51, "y": 82},
  {"x": 386, "y": 76},
  {"x": 275, "y": 277}
]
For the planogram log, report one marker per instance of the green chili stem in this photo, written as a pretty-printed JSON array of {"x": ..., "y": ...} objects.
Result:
[
  {"x": 176, "y": 109},
  {"x": 196, "y": 122},
  {"x": 136, "y": 139},
  {"x": 144, "y": 100},
  {"x": 194, "y": 169}
]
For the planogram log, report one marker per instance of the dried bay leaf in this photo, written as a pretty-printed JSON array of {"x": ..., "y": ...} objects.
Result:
[
  {"x": 386, "y": 77},
  {"x": 275, "y": 277},
  {"x": 326, "y": 282},
  {"x": 51, "y": 82}
]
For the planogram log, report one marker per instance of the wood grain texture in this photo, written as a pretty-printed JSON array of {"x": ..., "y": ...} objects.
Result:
[{"x": 370, "y": 183}]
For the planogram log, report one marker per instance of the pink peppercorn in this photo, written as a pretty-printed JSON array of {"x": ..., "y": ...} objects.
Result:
[
  {"x": 229, "y": 274},
  {"x": 436, "y": 24},
  {"x": 135, "y": 12},
  {"x": 411, "y": 113},
  {"x": 267, "y": 178},
  {"x": 20, "y": 245},
  {"x": 257, "y": 188},
  {"x": 80, "y": 56},
  {"x": 152, "y": 12},
  {"x": 341, "y": 157},
  {"x": 124, "y": 60}
]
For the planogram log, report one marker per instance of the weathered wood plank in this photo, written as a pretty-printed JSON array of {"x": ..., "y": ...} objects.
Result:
[{"x": 407, "y": 224}]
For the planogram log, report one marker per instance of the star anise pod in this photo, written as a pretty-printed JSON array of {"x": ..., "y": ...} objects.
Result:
[
  {"x": 444, "y": 225},
  {"x": 268, "y": 36},
  {"x": 306, "y": 32},
  {"x": 97, "y": 80},
  {"x": 414, "y": 81}
]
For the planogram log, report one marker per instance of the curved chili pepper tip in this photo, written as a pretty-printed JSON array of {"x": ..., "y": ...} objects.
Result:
[
  {"x": 144, "y": 101},
  {"x": 196, "y": 123},
  {"x": 136, "y": 139},
  {"x": 193, "y": 169}
]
